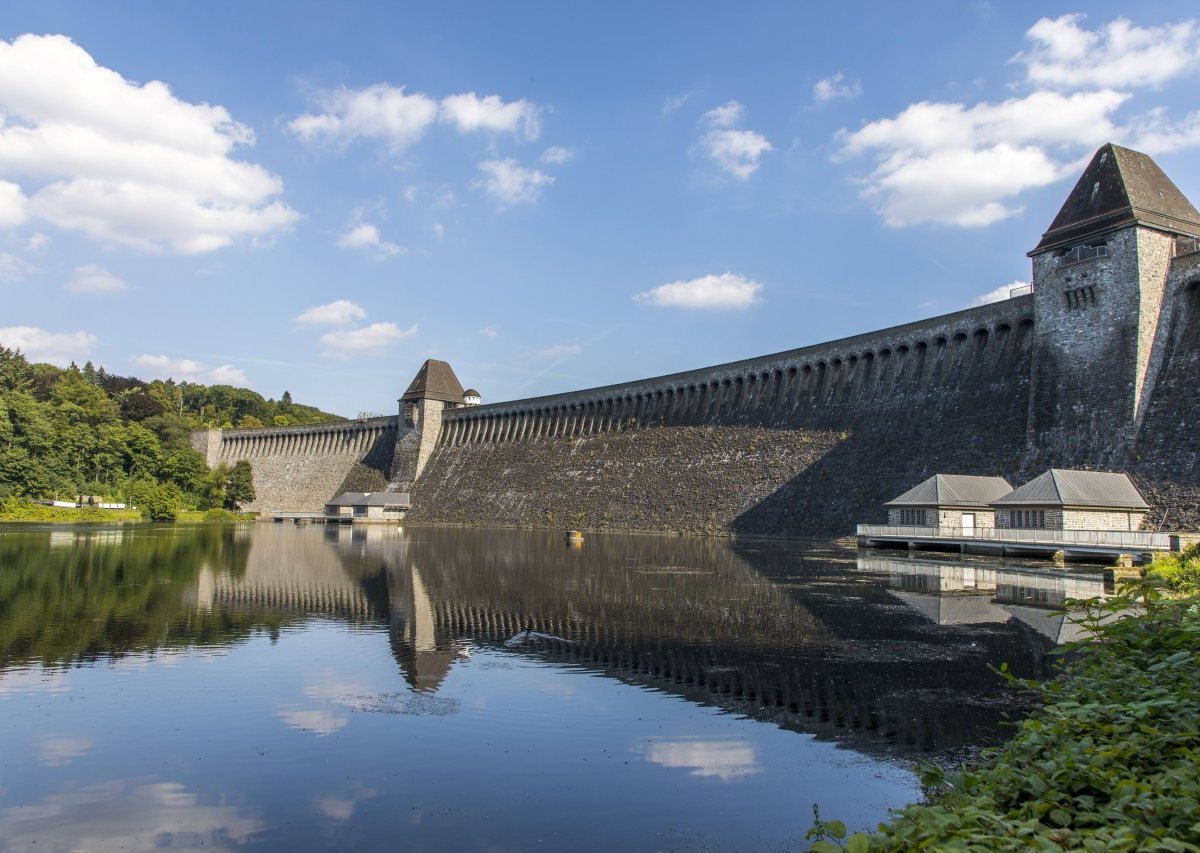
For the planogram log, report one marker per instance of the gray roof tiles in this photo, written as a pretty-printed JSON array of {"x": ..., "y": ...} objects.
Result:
[
  {"x": 1084, "y": 489},
  {"x": 370, "y": 499},
  {"x": 965, "y": 490},
  {"x": 1120, "y": 187},
  {"x": 435, "y": 381}
]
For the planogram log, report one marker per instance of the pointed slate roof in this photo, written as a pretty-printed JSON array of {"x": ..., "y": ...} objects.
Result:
[
  {"x": 954, "y": 490},
  {"x": 1120, "y": 187},
  {"x": 434, "y": 381},
  {"x": 1084, "y": 489}
]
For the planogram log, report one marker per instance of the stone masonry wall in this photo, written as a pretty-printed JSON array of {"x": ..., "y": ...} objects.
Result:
[
  {"x": 300, "y": 468},
  {"x": 799, "y": 443},
  {"x": 1166, "y": 456}
]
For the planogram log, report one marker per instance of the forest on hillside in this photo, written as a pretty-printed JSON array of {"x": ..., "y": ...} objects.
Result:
[{"x": 75, "y": 431}]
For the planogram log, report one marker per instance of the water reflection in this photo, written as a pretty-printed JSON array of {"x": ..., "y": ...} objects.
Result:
[
  {"x": 975, "y": 593},
  {"x": 298, "y": 687},
  {"x": 811, "y": 641},
  {"x": 120, "y": 815}
]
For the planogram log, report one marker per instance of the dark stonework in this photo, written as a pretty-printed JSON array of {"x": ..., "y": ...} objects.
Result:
[{"x": 1096, "y": 369}]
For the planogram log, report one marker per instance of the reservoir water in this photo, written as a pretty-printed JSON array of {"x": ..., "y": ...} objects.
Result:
[{"x": 433, "y": 689}]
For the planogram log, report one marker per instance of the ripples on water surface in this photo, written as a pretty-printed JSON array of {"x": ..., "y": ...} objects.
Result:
[{"x": 429, "y": 689}]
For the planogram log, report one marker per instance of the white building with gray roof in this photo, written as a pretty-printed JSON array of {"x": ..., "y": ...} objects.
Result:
[
  {"x": 949, "y": 502},
  {"x": 1062, "y": 499}
]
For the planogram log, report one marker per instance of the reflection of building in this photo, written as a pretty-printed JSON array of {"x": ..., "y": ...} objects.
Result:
[{"x": 962, "y": 594}]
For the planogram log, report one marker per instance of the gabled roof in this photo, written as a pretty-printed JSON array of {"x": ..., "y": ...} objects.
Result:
[
  {"x": 1120, "y": 187},
  {"x": 1083, "y": 489},
  {"x": 370, "y": 499},
  {"x": 954, "y": 490},
  {"x": 434, "y": 381}
]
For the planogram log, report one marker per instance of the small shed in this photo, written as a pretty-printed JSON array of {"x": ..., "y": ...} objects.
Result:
[
  {"x": 949, "y": 502},
  {"x": 371, "y": 506},
  {"x": 1061, "y": 499}
]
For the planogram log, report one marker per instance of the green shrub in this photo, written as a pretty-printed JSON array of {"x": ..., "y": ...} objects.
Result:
[
  {"x": 1110, "y": 761},
  {"x": 1178, "y": 573}
]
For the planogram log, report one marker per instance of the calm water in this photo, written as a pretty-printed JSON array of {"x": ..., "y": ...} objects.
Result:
[{"x": 305, "y": 688}]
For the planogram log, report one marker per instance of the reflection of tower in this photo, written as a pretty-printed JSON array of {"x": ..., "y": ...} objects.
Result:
[{"x": 413, "y": 632}]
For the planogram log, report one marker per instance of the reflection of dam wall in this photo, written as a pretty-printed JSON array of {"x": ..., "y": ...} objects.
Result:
[
  {"x": 693, "y": 618},
  {"x": 284, "y": 571}
]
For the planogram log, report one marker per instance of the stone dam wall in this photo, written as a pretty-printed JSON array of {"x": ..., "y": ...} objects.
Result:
[
  {"x": 800, "y": 443},
  {"x": 299, "y": 468}
]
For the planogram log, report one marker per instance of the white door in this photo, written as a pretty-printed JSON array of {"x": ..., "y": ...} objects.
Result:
[{"x": 968, "y": 524}]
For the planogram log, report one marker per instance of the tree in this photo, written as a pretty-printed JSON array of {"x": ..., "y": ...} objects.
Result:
[{"x": 239, "y": 488}]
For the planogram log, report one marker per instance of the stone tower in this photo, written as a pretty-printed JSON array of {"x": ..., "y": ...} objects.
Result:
[
  {"x": 1100, "y": 275},
  {"x": 434, "y": 389}
]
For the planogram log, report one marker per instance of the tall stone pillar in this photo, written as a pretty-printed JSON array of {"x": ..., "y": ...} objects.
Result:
[{"x": 433, "y": 390}]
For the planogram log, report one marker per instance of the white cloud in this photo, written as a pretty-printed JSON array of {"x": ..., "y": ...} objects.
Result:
[
  {"x": 37, "y": 242},
  {"x": 381, "y": 111},
  {"x": 673, "y": 103},
  {"x": 439, "y": 231},
  {"x": 337, "y": 313},
  {"x": 724, "y": 759},
  {"x": 59, "y": 348},
  {"x": 468, "y": 112},
  {"x": 489, "y": 332},
  {"x": 965, "y": 165},
  {"x": 390, "y": 114},
  {"x": 13, "y": 268},
  {"x": 835, "y": 87},
  {"x": 556, "y": 155},
  {"x": 1118, "y": 54},
  {"x": 718, "y": 292},
  {"x": 557, "y": 351},
  {"x": 321, "y": 723},
  {"x": 366, "y": 236},
  {"x": 736, "y": 152},
  {"x": 952, "y": 164},
  {"x": 57, "y": 751},
  {"x": 91, "y": 278},
  {"x": 189, "y": 370},
  {"x": 345, "y": 343},
  {"x": 999, "y": 294},
  {"x": 511, "y": 183},
  {"x": 14, "y": 206},
  {"x": 120, "y": 816},
  {"x": 124, "y": 162}
]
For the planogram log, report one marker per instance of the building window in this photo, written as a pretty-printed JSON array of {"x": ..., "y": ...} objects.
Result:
[
  {"x": 912, "y": 516},
  {"x": 1027, "y": 518}
]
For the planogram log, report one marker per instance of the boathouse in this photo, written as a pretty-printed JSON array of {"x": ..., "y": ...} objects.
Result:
[
  {"x": 368, "y": 506},
  {"x": 949, "y": 502},
  {"x": 1073, "y": 500}
]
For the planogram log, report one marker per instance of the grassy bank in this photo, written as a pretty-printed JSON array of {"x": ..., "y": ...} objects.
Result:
[
  {"x": 1110, "y": 760},
  {"x": 15, "y": 509}
]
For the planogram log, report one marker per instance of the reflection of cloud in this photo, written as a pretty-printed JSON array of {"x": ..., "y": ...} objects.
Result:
[
  {"x": 320, "y": 722},
  {"x": 56, "y": 751},
  {"x": 116, "y": 816},
  {"x": 342, "y": 807},
  {"x": 32, "y": 680},
  {"x": 725, "y": 759}
]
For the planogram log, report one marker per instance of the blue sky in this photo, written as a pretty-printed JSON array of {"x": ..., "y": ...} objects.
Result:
[{"x": 547, "y": 195}]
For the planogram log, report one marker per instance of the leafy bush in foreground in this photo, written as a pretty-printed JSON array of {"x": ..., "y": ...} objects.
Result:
[
  {"x": 1110, "y": 762},
  {"x": 1178, "y": 573}
]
